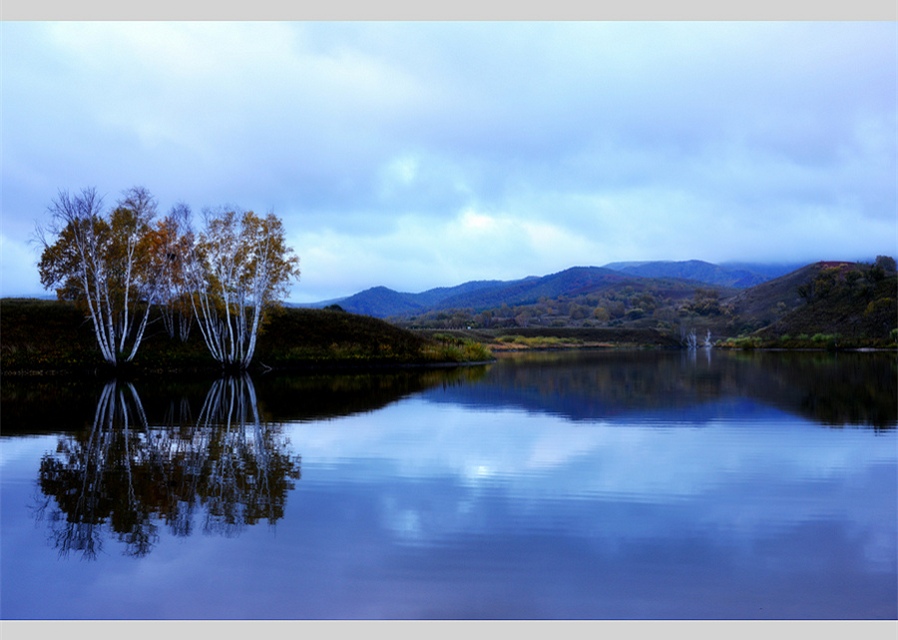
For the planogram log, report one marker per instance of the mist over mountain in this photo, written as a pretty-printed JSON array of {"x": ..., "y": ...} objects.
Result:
[{"x": 740, "y": 276}]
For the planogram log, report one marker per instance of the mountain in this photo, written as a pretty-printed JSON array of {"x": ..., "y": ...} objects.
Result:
[
  {"x": 739, "y": 276},
  {"x": 570, "y": 282},
  {"x": 480, "y": 295},
  {"x": 830, "y": 303},
  {"x": 846, "y": 298},
  {"x": 438, "y": 297},
  {"x": 762, "y": 304},
  {"x": 382, "y": 302},
  {"x": 492, "y": 294},
  {"x": 767, "y": 270},
  {"x": 840, "y": 303}
]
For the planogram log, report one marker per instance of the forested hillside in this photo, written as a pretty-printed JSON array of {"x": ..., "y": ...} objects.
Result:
[
  {"x": 853, "y": 303},
  {"x": 841, "y": 305},
  {"x": 383, "y": 302}
]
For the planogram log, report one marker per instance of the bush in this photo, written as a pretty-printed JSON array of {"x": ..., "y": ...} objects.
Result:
[
  {"x": 742, "y": 342},
  {"x": 827, "y": 340}
]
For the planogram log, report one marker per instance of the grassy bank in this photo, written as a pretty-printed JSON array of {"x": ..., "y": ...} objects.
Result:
[
  {"x": 44, "y": 337},
  {"x": 544, "y": 338}
]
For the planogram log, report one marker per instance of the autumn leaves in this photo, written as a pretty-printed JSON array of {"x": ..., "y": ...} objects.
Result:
[{"x": 121, "y": 263}]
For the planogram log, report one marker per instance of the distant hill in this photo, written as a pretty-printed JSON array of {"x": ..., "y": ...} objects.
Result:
[
  {"x": 764, "y": 303},
  {"x": 673, "y": 297},
  {"x": 382, "y": 302},
  {"x": 570, "y": 282},
  {"x": 767, "y": 270},
  {"x": 482, "y": 295},
  {"x": 739, "y": 276},
  {"x": 840, "y": 304}
]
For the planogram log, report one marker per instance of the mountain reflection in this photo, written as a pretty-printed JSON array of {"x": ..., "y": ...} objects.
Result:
[
  {"x": 833, "y": 389},
  {"x": 124, "y": 478}
]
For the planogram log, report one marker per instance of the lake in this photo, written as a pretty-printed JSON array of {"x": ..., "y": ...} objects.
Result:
[{"x": 557, "y": 485}]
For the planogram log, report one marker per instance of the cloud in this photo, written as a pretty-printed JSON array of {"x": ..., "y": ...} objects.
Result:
[
  {"x": 626, "y": 140},
  {"x": 18, "y": 268},
  {"x": 415, "y": 254}
]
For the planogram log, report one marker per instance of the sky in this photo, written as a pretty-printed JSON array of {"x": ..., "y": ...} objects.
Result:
[{"x": 416, "y": 155}]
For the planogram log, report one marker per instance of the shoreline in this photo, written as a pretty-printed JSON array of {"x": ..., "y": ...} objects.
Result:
[
  {"x": 260, "y": 368},
  {"x": 340, "y": 367}
]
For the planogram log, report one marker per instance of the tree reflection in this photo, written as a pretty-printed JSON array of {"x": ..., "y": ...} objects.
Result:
[{"x": 125, "y": 478}]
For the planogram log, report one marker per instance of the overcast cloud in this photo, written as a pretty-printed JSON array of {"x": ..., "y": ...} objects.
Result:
[{"x": 417, "y": 155}]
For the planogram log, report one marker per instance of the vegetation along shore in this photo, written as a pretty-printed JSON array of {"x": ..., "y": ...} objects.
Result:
[{"x": 53, "y": 337}]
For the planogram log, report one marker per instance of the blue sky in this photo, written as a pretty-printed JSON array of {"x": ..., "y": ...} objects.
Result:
[{"x": 425, "y": 154}]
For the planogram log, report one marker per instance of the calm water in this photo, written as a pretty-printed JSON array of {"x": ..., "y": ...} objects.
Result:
[{"x": 589, "y": 485}]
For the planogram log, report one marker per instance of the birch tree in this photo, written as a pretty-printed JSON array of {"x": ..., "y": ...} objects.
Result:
[
  {"x": 171, "y": 242},
  {"x": 102, "y": 261},
  {"x": 239, "y": 269}
]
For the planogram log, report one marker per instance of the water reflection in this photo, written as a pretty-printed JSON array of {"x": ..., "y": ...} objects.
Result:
[
  {"x": 124, "y": 476},
  {"x": 832, "y": 389},
  {"x": 586, "y": 485},
  {"x": 54, "y": 405},
  {"x": 321, "y": 397}
]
